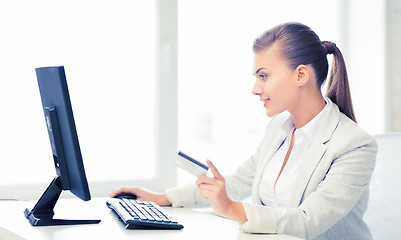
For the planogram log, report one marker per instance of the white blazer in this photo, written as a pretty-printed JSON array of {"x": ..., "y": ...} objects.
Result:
[{"x": 330, "y": 194}]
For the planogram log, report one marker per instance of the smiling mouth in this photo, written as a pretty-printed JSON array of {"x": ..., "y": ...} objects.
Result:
[{"x": 266, "y": 101}]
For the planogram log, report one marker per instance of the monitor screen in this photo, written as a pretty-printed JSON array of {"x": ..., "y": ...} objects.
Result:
[
  {"x": 70, "y": 173},
  {"x": 55, "y": 97}
]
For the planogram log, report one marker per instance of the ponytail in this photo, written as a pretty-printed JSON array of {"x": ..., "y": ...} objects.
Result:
[{"x": 337, "y": 85}]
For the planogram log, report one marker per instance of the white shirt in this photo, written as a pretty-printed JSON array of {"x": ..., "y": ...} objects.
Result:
[{"x": 278, "y": 196}]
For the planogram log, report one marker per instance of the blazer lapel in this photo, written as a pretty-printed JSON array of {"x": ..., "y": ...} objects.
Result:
[
  {"x": 315, "y": 154},
  {"x": 306, "y": 172},
  {"x": 261, "y": 168}
]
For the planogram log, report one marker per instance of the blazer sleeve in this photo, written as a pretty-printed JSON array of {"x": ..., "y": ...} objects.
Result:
[{"x": 347, "y": 177}]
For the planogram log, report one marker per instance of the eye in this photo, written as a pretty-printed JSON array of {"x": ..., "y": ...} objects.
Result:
[{"x": 262, "y": 76}]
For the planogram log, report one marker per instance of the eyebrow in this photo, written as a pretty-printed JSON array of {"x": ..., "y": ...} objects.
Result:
[{"x": 257, "y": 71}]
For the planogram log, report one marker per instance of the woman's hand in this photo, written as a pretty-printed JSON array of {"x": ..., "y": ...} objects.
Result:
[
  {"x": 144, "y": 195},
  {"x": 214, "y": 189}
]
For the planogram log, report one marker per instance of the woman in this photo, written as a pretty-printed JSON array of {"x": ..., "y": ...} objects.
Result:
[{"x": 310, "y": 174}]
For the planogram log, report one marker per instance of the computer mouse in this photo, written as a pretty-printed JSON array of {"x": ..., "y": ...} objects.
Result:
[{"x": 125, "y": 195}]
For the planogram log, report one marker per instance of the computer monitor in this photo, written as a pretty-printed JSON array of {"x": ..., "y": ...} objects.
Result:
[{"x": 70, "y": 172}]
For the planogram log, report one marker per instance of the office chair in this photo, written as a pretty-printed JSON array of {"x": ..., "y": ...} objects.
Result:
[{"x": 384, "y": 210}]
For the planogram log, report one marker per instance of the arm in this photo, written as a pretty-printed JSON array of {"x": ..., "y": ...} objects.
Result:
[{"x": 144, "y": 195}]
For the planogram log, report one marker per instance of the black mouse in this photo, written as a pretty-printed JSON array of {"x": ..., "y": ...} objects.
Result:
[{"x": 125, "y": 195}]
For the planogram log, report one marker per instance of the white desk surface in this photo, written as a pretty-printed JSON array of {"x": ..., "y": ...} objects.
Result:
[{"x": 198, "y": 224}]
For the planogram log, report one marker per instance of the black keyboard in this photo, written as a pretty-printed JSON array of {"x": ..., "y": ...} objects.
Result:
[{"x": 137, "y": 214}]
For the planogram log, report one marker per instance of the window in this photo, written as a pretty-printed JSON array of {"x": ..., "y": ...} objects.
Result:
[{"x": 108, "y": 49}]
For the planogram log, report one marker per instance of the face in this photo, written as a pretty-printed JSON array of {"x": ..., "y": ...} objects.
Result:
[{"x": 275, "y": 81}]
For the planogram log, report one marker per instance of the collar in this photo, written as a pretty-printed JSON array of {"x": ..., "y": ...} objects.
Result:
[{"x": 310, "y": 129}]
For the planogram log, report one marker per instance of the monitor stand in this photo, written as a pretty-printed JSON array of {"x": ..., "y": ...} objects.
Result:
[{"x": 42, "y": 213}]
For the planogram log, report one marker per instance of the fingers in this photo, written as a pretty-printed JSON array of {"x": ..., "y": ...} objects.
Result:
[
  {"x": 208, "y": 187},
  {"x": 213, "y": 191},
  {"x": 204, "y": 180},
  {"x": 115, "y": 192},
  {"x": 208, "y": 180},
  {"x": 214, "y": 170},
  {"x": 208, "y": 191},
  {"x": 211, "y": 188},
  {"x": 124, "y": 189},
  {"x": 205, "y": 193}
]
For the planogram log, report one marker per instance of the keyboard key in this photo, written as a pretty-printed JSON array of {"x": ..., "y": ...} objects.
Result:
[{"x": 142, "y": 214}]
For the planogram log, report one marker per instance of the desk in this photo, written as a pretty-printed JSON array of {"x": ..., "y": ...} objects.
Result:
[{"x": 198, "y": 224}]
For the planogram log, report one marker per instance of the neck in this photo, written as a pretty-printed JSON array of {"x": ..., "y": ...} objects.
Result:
[{"x": 306, "y": 109}]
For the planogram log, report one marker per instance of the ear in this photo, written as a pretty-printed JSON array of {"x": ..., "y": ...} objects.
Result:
[{"x": 303, "y": 74}]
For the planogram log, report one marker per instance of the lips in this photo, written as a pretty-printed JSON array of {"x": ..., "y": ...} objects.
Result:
[{"x": 266, "y": 101}]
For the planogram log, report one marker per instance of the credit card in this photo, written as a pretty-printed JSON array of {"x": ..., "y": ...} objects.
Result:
[{"x": 191, "y": 165}]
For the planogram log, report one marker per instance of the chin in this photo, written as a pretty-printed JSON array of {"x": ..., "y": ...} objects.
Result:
[{"x": 271, "y": 113}]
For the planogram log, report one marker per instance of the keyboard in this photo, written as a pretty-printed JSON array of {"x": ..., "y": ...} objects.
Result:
[{"x": 137, "y": 214}]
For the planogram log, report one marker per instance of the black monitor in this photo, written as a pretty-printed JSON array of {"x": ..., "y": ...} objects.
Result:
[{"x": 70, "y": 172}]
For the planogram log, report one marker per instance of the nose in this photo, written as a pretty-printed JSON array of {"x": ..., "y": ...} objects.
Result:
[{"x": 256, "y": 90}]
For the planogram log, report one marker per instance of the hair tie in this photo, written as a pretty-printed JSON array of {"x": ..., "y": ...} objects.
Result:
[{"x": 329, "y": 46}]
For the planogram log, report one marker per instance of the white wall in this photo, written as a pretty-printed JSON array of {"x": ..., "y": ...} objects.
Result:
[{"x": 393, "y": 65}]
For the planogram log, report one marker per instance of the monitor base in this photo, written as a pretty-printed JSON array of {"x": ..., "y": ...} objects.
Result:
[
  {"x": 42, "y": 213},
  {"x": 54, "y": 222}
]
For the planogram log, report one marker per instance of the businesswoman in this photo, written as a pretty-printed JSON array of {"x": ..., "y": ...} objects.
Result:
[{"x": 310, "y": 175}]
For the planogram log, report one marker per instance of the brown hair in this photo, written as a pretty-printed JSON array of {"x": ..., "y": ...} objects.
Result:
[{"x": 300, "y": 45}]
